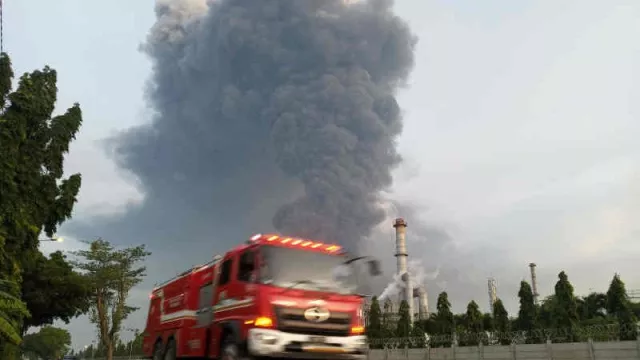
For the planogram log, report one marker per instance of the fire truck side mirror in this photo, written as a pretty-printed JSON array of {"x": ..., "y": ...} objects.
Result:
[{"x": 374, "y": 268}]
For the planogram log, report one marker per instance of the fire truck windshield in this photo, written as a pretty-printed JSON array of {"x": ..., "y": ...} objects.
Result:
[{"x": 303, "y": 269}]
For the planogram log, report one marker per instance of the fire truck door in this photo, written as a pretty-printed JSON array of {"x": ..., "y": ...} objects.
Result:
[
  {"x": 221, "y": 302},
  {"x": 243, "y": 287},
  {"x": 204, "y": 314}
]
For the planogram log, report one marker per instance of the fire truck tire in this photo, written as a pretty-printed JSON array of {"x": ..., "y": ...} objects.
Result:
[
  {"x": 170, "y": 352},
  {"x": 229, "y": 350},
  {"x": 158, "y": 350}
]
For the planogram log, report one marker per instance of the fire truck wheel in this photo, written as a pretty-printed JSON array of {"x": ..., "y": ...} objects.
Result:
[
  {"x": 170, "y": 353},
  {"x": 230, "y": 350},
  {"x": 157, "y": 350}
]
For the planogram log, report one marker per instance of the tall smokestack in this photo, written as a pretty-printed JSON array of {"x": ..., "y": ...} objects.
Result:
[
  {"x": 534, "y": 282},
  {"x": 493, "y": 293},
  {"x": 423, "y": 302},
  {"x": 401, "y": 259}
]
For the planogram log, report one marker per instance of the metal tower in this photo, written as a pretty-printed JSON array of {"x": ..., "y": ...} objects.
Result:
[
  {"x": 534, "y": 283},
  {"x": 493, "y": 293}
]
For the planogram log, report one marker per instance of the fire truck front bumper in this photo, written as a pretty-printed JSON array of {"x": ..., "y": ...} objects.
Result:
[{"x": 274, "y": 343}]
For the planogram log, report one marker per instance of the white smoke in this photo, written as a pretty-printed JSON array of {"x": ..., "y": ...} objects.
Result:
[
  {"x": 416, "y": 272},
  {"x": 417, "y": 276},
  {"x": 393, "y": 288}
]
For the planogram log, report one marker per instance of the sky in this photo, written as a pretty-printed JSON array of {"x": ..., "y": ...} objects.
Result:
[{"x": 520, "y": 121}]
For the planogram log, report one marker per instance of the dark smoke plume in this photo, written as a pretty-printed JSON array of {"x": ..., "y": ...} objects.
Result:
[{"x": 279, "y": 111}]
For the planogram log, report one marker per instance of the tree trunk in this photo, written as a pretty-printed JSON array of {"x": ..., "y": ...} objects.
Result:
[{"x": 110, "y": 351}]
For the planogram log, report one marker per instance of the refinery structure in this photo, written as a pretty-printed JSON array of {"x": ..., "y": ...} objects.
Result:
[
  {"x": 403, "y": 287},
  {"x": 410, "y": 292},
  {"x": 414, "y": 294}
]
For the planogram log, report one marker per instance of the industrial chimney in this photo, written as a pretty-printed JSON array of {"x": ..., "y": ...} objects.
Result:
[
  {"x": 401, "y": 259},
  {"x": 493, "y": 293},
  {"x": 534, "y": 282},
  {"x": 423, "y": 302}
]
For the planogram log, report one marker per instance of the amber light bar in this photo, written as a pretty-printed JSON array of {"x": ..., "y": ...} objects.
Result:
[{"x": 297, "y": 242}]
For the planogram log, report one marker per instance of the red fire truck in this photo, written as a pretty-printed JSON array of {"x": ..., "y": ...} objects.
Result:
[{"x": 273, "y": 296}]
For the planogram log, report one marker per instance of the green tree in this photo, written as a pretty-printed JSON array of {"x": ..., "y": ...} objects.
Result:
[
  {"x": 403, "y": 328},
  {"x": 429, "y": 325},
  {"x": 48, "y": 343},
  {"x": 387, "y": 321},
  {"x": 34, "y": 196},
  {"x": 592, "y": 306},
  {"x": 112, "y": 273},
  {"x": 487, "y": 322},
  {"x": 545, "y": 312},
  {"x": 527, "y": 314},
  {"x": 374, "y": 320},
  {"x": 473, "y": 326},
  {"x": 501, "y": 322},
  {"x": 618, "y": 305},
  {"x": 134, "y": 346},
  {"x": 11, "y": 308},
  {"x": 418, "y": 336},
  {"x": 444, "y": 316},
  {"x": 474, "y": 318},
  {"x": 617, "y": 299},
  {"x": 565, "y": 314},
  {"x": 53, "y": 290},
  {"x": 444, "y": 321}
]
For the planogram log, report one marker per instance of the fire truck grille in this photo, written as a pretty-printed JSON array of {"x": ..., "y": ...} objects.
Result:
[{"x": 293, "y": 320}]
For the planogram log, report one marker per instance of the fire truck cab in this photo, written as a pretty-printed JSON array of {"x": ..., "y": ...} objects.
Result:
[{"x": 273, "y": 296}]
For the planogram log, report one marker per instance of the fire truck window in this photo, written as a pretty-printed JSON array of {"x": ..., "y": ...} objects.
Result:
[
  {"x": 225, "y": 273},
  {"x": 206, "y": 296},
  {"x": 247, "y": 265}
]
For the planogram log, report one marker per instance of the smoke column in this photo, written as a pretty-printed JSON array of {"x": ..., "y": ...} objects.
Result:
[
  {"x": 416, "y": 274},
  {"x": 278, "y": 108}
]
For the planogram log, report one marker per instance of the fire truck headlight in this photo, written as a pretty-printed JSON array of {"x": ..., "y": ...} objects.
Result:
[{"x": 267, "y": 339}]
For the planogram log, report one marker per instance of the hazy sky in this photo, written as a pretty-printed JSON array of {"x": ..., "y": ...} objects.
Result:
[{"x": 520, "y": 127}]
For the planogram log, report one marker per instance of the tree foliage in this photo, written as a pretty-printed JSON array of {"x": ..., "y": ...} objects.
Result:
[
  {"x": 11, "y": 308},
  {"x": 592, "y": 306},
  {"x": 527, "y": 314},
  {"x": 403, "y": 328},
  {"x": 565, "y": 311},
  {"x": 124, "y": 349},
  {"x": 473, "y": 322},
  {"x": 53, "y": 290},
  {"x": 34, "y": 196},
  {"x": 444, "y": 315},
  {"x": 618, "y": 305},
  {"x": 501, "y": 321},
  {"x": 473, "y": 318},
  {"x": 444, "y": 318},
  {"x": 48, "y": 343},
  {"x": 111, "y": 273},
  {"x": 419, "y": 335},
  {"x": 617, "y": 300},
  {"x": 33, "y": 143},
  {"x": 387, "y": 321},
  {"x": 374, "y": 320}
]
